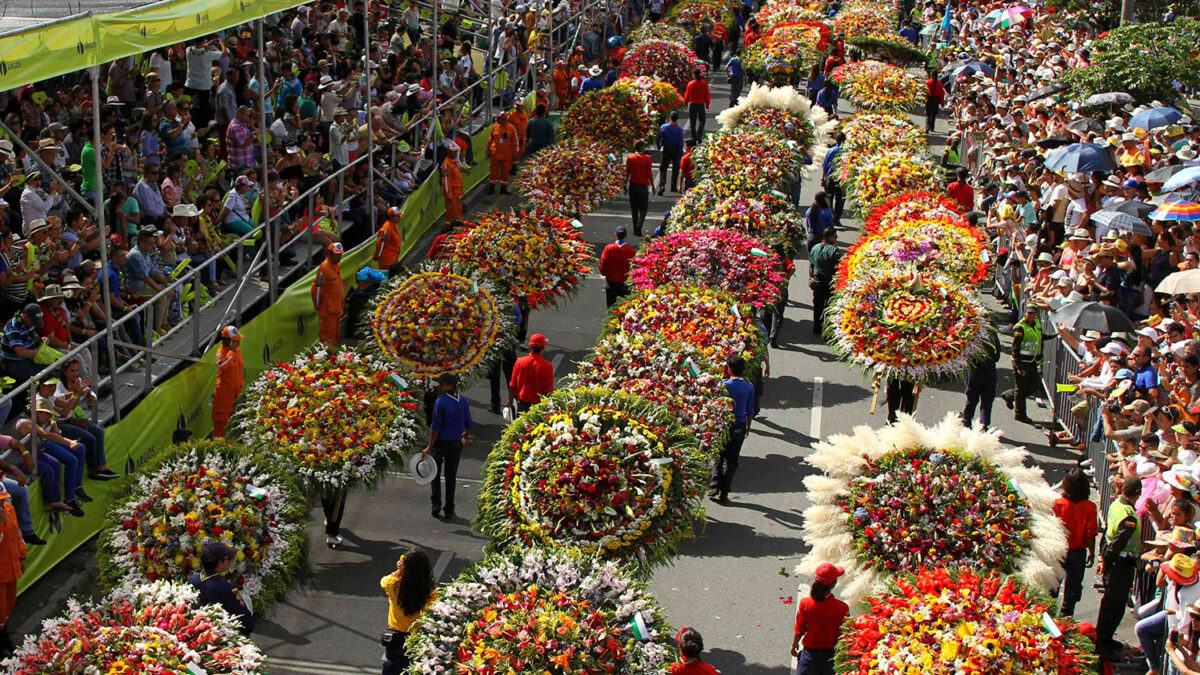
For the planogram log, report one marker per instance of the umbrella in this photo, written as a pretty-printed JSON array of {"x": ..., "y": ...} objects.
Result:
[
  {"x": 1121, "y": 222},
  {"x": 1085, "y": 125},
  {"x": 1108, "y": 98},
  {"x": 1178, "y": 283},
  {"x": 1012, "y": 16},
  {"x": 1182, "y": 179},
  {"x": 931, "y": 29},
  {"x": 1081, "y": 157},
  {"x": 1048, "y": 90},
  {"x": 1095, "y": 316},
  {"x": 1164, "y": 173},
  {"x": 972, "y": 67},
  {"x": 1154, "y": 118},
  {"x": 1054, "y": 142},
  {"x": 993, "y": 15},
  {"x": 1186, "y": 211},
  {"x": 1134, "y": 207}
]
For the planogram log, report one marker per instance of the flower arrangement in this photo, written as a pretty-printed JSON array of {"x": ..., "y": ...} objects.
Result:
[
  {"x": 783, "y": 53},
  {"x": 443, "y": 318},
  {"x": 944, "y": 622},
  {"x": 763, "y": 157},
  {"x": 200, "y": 492},
  {"x": 874, "y": 85},
  {"x": 674, "y": 375},
  {"x": 334, "y": 418},
  {"x": 158, "y": 628},
  {"x": 692, "y": 15},
  {"x": 657, "y": 31},
  {"x": 786, "y": 111},
  {"x": 950, "y": 248},
  {"x": 541, "y": 612},
  {"x": 611, "y": 116},
  {"x": 670, "y": 62},
  {"x": 862, "y": 22},
  {"x": 913, "y": 204},
  {"x": 893, "y": 48},
  {"x": 774, "y": 14},
  {"x": 659, "y": 95},
  {"x": 534, "y": 255},
  {"x": 906, "y": 325},
  {"x": 745, "y": 267},
  {"x": 735, "y": 203},
  {"x": 907, "y": 496},
  {"x": 570, "y": 178},
  {"x": 888, "y": 173},
  {"x": 871, "y": 133},
  {"x": 708, "y": 318},
  {"x": 601, "y": 471}
]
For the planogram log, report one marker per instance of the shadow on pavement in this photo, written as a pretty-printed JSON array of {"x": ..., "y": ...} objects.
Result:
[
  {"x": 774, "y": 473},
  {"x": 720, "y": 539},
  {"x": 731, "y": 663}
]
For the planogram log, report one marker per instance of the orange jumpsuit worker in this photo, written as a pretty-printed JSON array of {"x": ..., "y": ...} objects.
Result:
[
  {"x": 519, "y": 118},
  {"x": 502, "y": 148},
  {"x": 327, "y": 294},
  {"x": 452, "y": 186},
  {"x": 12, "y": 562},
  {"x": 561, "y": 79},
  {"x": 229, "y": 379},
  {"x": 389, "y": 241}
]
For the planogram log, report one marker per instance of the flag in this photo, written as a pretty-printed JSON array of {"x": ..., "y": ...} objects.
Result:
[
  {"x": 692, "y": 367},
  {"x": 946, "y": 24},
  {"x": 638, "y": 626}
]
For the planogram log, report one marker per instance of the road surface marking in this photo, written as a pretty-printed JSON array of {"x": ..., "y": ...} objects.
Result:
[
  {"x": 557, "y": 360},
  {"x": 315, "y": 668},
  {"x": 814, "y": 426},
  {"x": 439, "y": 568}
]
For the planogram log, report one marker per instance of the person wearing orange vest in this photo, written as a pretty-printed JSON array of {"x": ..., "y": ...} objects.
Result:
[
  {"x": 561, "y": 79},
  {"x": 519, "y": 118},
  {"x": 12, "y": 565},
  {"x": 229, "y": 379},
  {"x": 328, "y": 294},
  {"x": 389, "y": 241},
  {"x": 502, "y": 148},
  {"x": 452, "y": 186}
]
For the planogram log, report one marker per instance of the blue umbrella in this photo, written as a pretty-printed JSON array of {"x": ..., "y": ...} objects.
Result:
[
  {"x": 1182, "y": 179},
  {"x": 972, "y": 67},
  {"x": 1081, "y": 157},
  {"x": 1155, "y": 118}
]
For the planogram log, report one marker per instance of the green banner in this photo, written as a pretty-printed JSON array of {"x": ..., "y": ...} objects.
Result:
[{"x": 49, "y": 51}]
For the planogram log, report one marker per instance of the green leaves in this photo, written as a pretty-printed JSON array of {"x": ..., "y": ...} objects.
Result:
[{"x": 1145, "y": 60}]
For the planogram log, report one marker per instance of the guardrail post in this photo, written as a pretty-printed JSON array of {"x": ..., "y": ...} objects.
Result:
[
  {"x": 149, "y": 331},
  {"x": 195, "y": 318}
]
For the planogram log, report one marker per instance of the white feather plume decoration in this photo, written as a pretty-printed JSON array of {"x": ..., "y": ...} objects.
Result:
[{"x": 790, "y": 100}]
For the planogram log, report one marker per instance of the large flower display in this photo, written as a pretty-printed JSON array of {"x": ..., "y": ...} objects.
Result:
[
  {"x": 570, "y": 178},
  {"x": 960, "y": 622},
  {"x": 534, "y": 255},
  {"x": 708, "y": 318},
  {"x": 541, "y": 612},
  {"x": 902, "y": 324},
  {"x": 786, "y": 111},
  {"x": 611, "y": 116},
  {"x": 910, "y": 205},
  {"x": 887, "y": 174},
  {"x": 775, "y": 13},
  {"x": 787, "y": 50},
  {"x": 605, "y": 472},
  {"x": 692, "y": 15},
  {"x": 868, "y": 134},
  {"x": 950, "y": 248},
  {"x": 335, "y": 418},
  {"x": 159, "y": 628},
  {"x": 763, "y": 157},
  {"x": 659, "y": 95},
  {"x": 907, "y": 497},
  {"x": 862, "y": 22},
  {"x": 893, "y": 49},
  {"x": 738, "y": 204},
  {"x": 745, "y": 267},
  {"x": 201, "y": 492},
  {"x": 441, "y": 319},
  {"x": 657, "y": 31},
  {"x": 674, "y": 375},
  {"x": 874, "y": 85},
  {"x": 669, "y": 62}
]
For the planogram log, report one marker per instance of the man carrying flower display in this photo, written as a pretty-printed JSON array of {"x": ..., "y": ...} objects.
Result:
[
  {"x": 670, "y": 141},
  {"x": 389, "y": 241},
  {"x": 698, "y": 97},
  {"x": 501, "y": 149},
  {"x": 449, "y": 430},
  {"x": 452, "y": 186},
  {"x": 614, "y": 266},
  {"x": 328, "y": 294},
  {"x": 229, "y": 379},
  {"x": 539, "y": 131},
  {"x": 823, "y": 262},
  {"x": 639, "y": 168},
  {"x": 532, "y": 376},
  {"x": 215, "y": 589}
]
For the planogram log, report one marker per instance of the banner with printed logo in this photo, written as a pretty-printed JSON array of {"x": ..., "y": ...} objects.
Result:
[{"x": 45, "y": 52}]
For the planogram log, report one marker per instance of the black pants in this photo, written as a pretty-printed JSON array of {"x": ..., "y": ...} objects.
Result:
[
  {"x": 1118, "y": 582},
  {"x": 837, "y": 199},
  {"x": 202, "y": 109},
  {"x": 395, "y": 657},
  {"x": 523, "y": 327},
  {"x": 1075, "y": 566},
  {"x": 334, "y": 504},
  {"x": 670, "y": 160},
  {"x": 447, "y": 454},
  {"x": 900, "y": 397},
  {"x": 931, "y": 111},
  {"x": 614, "y": 291},
  {"x": 697, "y": 117},
  {"x": 505, "y": 368},
  {"x": 981, "y": 392},
  {"x": 735, "y": 90},
  {"x": 821, "y": 295},
  {"x": 1025, "y": 384},
  {"x": 639, "y": 204},
  {"x": 727, "y": 463},
  {"x": 522, "y": 406},
  {"x": 714, "y": 56}
]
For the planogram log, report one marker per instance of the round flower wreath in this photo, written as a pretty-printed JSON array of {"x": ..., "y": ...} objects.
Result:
[
  {"x": 907, "y": 497},
  {"x": 905, "y": 325},
  {"x": 670, "y": 62},
  {"x": 571, "y": 178},
  {"x": 786, "y": 50},
  {"x": 708, "y": 318},
  {"x": 541, "y": 612},
  {"x": 872, "y": 133},
  {"x": 200, "y": 492},
  {"x": 610, "y": 116},
  {"x": 774, "y": 14},
  {"x": 765, "y": 158},
  {"x": 946, "y": 247},
  {"x": 745, "y": 267},
  {"x": 659, "y": 95},
  {"x": 657, "y": 31},
  {"x": 150, "y": 629},
  {"x": 888, "y": 174},
  {"x": 783, "y": 110},
  {"x": 692, "y": 15},
  {"x": 534, "y": 255},
  {"x": 672, "y": 374},
  {"x": 737, "y": 204},
  {"x": 334, "y": 418},
  {"x": 874, "y": 85},
  {"x": 952, "y": 622},
  {"x": 442, "y": 319},
  {"x": 862, "y": 22},
  {"x": 604, "y": 472},
  {"x": 913, "y": 204}
]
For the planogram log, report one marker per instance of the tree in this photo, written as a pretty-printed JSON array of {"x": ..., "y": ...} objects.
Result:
[{"x": 1146, "y": 60}]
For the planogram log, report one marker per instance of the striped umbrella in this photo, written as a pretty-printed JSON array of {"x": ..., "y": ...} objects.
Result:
[
  {"x": 1185, "y": 211},
  {"x": 1012, "y": 17}
]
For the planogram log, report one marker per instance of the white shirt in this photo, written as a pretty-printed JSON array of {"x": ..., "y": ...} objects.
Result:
[
  {"x": 163, "y": 67},
  {"x": 199, "y": 68},
  {"x": 339, "y": 150},
  {"x": 35, "y": 204}
]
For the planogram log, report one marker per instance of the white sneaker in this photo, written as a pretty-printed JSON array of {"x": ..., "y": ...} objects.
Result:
[{"x": 332, "y": 541}]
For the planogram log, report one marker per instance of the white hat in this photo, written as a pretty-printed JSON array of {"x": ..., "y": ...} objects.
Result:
[
  {"x": 1113, "y": 349},
  {"x": 1081, "y": 234},
  {"x": 1128, "y": 136},
  {"x": 422, "y": 468},
  {"x": 1145, "y": 469},
  {"x": 1091, "y": 336},
  {"x": 1046, "y": 258},
  {"x": 1148, "y": 332},
  {"x": 1057, "y": 274},
  {"x": 185, "y": 210},
  {"x": 1075, "y": 296},
  {"x": 595, "y": 71}
]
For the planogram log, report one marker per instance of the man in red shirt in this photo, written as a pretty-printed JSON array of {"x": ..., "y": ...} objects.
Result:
[
  {"x": 819, "y": 620},
  {"x": 935, "y": 93},
  {"x": 614, "y": 266},
  {"x": 639, "y": 169},
  {"x": 687, "y": 165},
  {"x": 532, "y": 376},
  {"x": 962, "y": 192},
  {"x": 698, "y": 99}
]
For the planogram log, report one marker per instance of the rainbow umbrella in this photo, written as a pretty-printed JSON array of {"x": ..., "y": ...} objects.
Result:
[
  {"x": 1012, "y": 16},
  {"x": 1185, "y": 211}
]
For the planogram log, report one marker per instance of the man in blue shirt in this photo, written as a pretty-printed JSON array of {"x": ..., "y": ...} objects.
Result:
[
  {"x": 833, "y": 189},
  {"x": 593, "y": 80},
  {"x": 736, "y": 74},
  {"x": 742, "y": 393},
  {"x": 670, "y": 141},
  {"x": 908, "y": 32},
  {"x": 1145, "y": 377},
  {"x": 20, "y": 343},
  {"x": 215, "y": 589},
  {"x": 449, "y": 429},
  {"x": 827, "y": 98}
]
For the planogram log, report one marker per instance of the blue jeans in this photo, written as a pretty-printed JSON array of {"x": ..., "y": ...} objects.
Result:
[
  {"x": 56, "y": 465},
  {"x": 815, "y": 662},
  {"x": 19, "y": 496},
  {"x": 1152, "y": 635},
  {"x": 208, "y": 273},
  {"x": 91, "y": 435}
]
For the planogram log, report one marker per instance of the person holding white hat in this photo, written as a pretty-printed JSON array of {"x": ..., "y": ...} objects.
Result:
[{"x": 449, "y": 430}]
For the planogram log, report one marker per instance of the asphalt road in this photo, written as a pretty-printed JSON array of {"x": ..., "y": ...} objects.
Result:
[{"x": 732, "y": 582}]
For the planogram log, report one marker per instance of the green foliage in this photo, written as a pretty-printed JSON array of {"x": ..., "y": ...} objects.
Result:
[{"x": 1142, "y": 59}]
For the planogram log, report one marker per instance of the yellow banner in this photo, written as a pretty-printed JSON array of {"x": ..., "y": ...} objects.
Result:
[
  {"x": 140, "y": 30},
  {"x": 49, "y": 51}
]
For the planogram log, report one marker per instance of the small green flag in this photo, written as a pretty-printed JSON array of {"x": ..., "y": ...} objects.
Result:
[
  {"x": 758, "y": 252},
  {"x": 1051, "y": 626},
  {"x": 637, "y": 625},
  {"x": 692, "y": 367},
  {"x": 577, "y": 224},
  {"x": 256, "y": 492},
  {"x": 400, "y": 381}
]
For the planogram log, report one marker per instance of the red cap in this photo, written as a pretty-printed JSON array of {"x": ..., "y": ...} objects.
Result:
[
  {"x": 827, "y": 573},
  {"x": 395, "y": 212},
  {"x": 537, "y": 340}
]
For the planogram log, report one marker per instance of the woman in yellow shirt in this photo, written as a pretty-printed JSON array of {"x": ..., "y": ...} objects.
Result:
[{"x": 410, "y": 589}]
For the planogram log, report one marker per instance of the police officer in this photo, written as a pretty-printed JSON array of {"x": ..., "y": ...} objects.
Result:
[
  {"x": 1122, "y": 547},
  {"x": 1026, "y": 362},
  {"x": 215, "y": 589}
]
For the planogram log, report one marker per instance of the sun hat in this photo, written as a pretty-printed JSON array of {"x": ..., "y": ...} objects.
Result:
[
  {"x": 1091, "y": 336},
  {"x": 1113, "y": 348},
  {"x": 1181, "y": 479},
  {"x": 1149, "y": 333},
  {"x": 1179, "y": 536},
  {"x": 51, "y": 292},
  {"x": 1045, "y": 258},
  {"x": 827, "y": 573},
  {"x": 185, "y": 210},
  {"x": 423, "y": 468},
  {"x": 1181, "y": 570},
  {"x": 1081, "y": 234}
]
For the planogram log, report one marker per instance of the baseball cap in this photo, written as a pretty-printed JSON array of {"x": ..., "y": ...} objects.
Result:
[
  {"x": 336, "y": 247},
  {"x": 827, "y": 573},
  {"x": 231, "y": 333},
  {"x": 537, "y": 340},
  {"x": 1149, "y": 332},
  {"x": 395, "y": 211}
]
